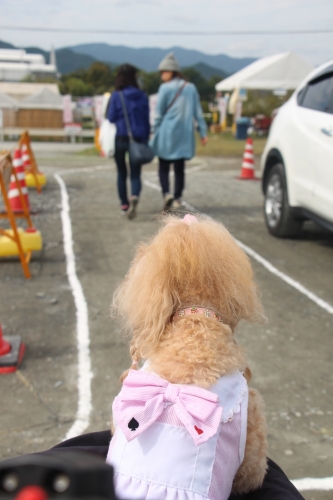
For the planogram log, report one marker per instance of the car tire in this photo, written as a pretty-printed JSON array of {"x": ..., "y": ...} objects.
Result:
[{"x": 279, "y": 216}]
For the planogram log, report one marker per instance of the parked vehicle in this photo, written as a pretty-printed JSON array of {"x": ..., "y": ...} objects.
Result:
[
  {"x": 262, "y": 124},
  {"x": 297, "y": 163}
]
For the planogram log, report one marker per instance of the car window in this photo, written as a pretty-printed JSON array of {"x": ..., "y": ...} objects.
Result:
[
  {"x": 301, "y": 94},
  {"x": 318, "y": 94}
]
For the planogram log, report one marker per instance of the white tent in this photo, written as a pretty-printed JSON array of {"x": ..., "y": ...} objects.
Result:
[
  {"x": 43, "y": 99},
  {"x": 282, "y": 71},
  {"x": 7, "y": 102},
  {"x": 21, "y": 90}
]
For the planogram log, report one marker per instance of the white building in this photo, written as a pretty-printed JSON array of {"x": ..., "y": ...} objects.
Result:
[{"x": 16, "y": 64}]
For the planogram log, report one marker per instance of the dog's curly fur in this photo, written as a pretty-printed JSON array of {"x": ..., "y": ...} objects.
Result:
[{"x": 185, "y": 265}]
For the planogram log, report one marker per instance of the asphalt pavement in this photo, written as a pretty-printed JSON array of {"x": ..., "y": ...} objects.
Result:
[{"x": 290, "y": 356}]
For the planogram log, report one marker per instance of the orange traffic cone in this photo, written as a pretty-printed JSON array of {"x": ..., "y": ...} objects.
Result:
[
  {"x": 11, "y": 353},
  {"x": 4, "y": 345},
  {"x": 247, "y": 171},
  {"x": 33, "y": 178},
  {"x": 26, "y": 158},
  {"x": 13, "y": 193}
]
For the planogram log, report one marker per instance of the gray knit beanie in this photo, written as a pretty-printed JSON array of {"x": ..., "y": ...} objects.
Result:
[{"x": 169, "y": 63}]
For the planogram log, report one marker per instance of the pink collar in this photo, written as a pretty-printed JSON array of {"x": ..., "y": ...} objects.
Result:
[{"x": 189, "y": 311}]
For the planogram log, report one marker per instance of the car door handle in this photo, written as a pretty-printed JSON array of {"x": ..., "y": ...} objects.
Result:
[{"x": 327, "y": 131}]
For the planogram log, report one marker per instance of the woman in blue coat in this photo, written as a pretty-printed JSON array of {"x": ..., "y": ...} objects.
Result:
[
  {"x": 138, "y": 113},
  {"x": 178, "y": 110}
]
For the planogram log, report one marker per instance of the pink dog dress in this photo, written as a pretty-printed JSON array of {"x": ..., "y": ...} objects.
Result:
[{"x": 178, "y": 442}]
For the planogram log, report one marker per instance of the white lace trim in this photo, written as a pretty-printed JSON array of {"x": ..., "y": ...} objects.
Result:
[{"x": 242, "y": 390}]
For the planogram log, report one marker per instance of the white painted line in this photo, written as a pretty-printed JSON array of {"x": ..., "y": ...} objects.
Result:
[
  {"x": 295, "y": 284},
  {"x": 314, "y": 483},
  {"x": 85, "y": 170},
  {"x": 152, "y": 185},
  {"x": 284, "y": 277},
  {"x": 111, "y": 168},
  {"x": 188, "y": 170},
  {"x": 82, "y": 324},
  {"x": 196, "y": 168},
  {"x": 157, "y": 188},
  {"x": 189, "y": 207}
]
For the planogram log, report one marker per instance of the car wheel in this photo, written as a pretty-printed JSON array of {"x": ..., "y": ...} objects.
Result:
[{"x": 279, "y": 216}]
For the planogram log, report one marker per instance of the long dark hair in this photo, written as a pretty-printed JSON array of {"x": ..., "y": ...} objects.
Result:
[
  {"x": 126, "y": 77},
  {"x": 178, "y": 74}
]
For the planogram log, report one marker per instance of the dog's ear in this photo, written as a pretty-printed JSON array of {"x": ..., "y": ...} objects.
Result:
[
  {"x": 247, "y": 374},
  {"x": 145, "y": 297}
]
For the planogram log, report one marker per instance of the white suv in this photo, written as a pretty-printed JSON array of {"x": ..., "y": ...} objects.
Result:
[{"x": 297, "y": 163}]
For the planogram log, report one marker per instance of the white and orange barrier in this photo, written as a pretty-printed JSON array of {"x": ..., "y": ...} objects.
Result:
[
  {"x": 16, "y": 241},
  {"x": 34, "y": 178}
]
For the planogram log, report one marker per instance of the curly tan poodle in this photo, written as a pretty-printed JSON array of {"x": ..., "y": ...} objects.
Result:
[{"x": 195, "y": 262}]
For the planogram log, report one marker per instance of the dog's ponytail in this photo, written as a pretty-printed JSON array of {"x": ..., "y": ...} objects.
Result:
[{"x": 135, "y": 362}]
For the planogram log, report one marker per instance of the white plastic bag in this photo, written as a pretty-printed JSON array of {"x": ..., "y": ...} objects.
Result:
[{"x": 107, "y": 137}]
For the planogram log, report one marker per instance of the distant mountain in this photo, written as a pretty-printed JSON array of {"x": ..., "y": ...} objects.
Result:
[
  {"x": 208, "y": 71},
  {"x": 67, "y": 60},
  {"x": 5, "y": 45},
  {"x": 29, "y": 50},
  {"x": 82, "y": 56},
  {"x": 37, "y": 50},
  {"x": 149, "y": 58}
]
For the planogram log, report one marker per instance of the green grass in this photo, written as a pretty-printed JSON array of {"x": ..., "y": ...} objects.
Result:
[
  {"x": 218, "y": 145},
  {"x": 226, "y": 145},
  {"x": 89, "y": 152}
]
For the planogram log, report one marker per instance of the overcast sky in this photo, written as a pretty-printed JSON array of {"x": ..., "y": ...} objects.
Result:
[{"x": 177, "y": 15}]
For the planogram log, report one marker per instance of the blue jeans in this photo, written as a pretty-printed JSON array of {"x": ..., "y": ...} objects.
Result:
[{"x": 135, "y": 171}]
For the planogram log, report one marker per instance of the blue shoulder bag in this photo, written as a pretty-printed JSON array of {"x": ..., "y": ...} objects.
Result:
[{"x": 140, "y": 152}]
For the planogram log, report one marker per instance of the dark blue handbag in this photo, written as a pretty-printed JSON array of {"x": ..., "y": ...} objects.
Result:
[{"x": 140, "y": 152}]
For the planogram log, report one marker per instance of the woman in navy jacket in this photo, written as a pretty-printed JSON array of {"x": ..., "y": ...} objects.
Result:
[{"x": 138, "y": 112}]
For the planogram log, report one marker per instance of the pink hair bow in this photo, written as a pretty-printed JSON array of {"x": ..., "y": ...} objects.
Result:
[
  {"x": 190, "y": 219},
  {"x": 144, "y": 396}
]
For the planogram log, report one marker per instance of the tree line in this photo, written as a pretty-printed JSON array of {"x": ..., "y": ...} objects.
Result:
[{"x": 100, "y": 78}]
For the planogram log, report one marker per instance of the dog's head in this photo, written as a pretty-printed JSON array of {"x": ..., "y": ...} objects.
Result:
[{"x": 189, "y": 262}]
